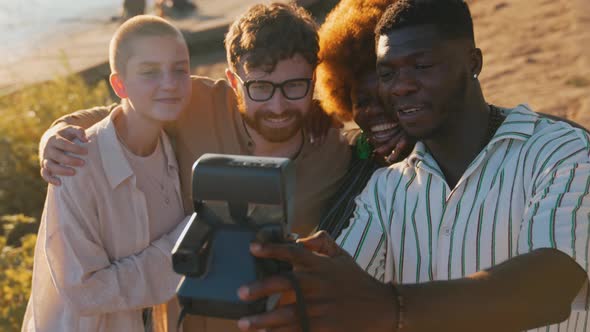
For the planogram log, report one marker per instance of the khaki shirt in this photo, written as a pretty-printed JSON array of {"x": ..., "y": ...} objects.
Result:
[
  {"x": 95, "y": 267},
  {"x": 212, "y": 124}
]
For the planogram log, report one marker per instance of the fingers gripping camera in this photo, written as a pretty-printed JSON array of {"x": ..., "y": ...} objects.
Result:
[{"x": 237, "y": 200}]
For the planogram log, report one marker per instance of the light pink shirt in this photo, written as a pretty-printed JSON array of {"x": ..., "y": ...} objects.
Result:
[{"x": 95, "y": 267}]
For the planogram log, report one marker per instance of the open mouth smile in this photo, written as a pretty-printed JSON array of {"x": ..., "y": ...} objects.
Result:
[
  {"x": 171, "y": 100},
  {"x": 278, "y": 121},
  {"x": 409, "y": 111},
  {"x": 383, "y": 132}
]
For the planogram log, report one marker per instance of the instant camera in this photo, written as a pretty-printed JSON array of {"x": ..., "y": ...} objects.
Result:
[{"x": 237, "y": 200}]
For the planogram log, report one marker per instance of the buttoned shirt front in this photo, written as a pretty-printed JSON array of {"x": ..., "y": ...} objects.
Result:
[
  {"x": 527, "y": 189},
  {"x": 95, "y": 267}
]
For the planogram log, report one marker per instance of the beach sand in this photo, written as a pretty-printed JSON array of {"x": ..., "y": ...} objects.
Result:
[{"x": 534, "y": 52}]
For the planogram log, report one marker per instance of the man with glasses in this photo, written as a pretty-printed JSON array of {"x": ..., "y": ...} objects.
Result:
[
  {"x": 260, "y": 110},
  {"x": 274, "y": 128},
  {"x": 272, "y": 55}
]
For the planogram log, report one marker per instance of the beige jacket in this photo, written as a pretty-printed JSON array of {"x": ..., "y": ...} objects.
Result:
[
  {"x": 94, "y": 267},
  {"x": 212, "y": 124}
]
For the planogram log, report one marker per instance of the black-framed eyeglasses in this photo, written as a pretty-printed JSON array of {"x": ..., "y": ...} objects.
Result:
[{"x": 260, "y": 90}]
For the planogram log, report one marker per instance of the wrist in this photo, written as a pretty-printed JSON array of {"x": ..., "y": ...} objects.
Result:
[
  {"x": 400, "y": 308},
  {"x": 387, "y": 311}
]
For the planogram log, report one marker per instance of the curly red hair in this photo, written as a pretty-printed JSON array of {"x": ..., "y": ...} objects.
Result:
[{"x": 347, "y": 50}]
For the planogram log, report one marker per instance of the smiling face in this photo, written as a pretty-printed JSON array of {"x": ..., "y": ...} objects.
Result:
[
  {"x": 423, "y": 78},
  {"x": 368, "y": 111},
  {"x": 156, "y": 80},
  {"x": 277, "y": 119}
]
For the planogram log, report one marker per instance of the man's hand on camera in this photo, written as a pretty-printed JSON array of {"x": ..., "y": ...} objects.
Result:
[
  {"x": 57, "y": 151},
  {"x": 338, "y": 294}
]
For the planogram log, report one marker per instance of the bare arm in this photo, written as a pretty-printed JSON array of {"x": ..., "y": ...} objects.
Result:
[
  {"x": 342, "y": 297},
  {"x": 56, "y": 148},
  {"x": 527, "y": 291}
]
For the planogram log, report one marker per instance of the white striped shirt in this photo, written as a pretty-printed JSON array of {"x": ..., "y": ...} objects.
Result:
[{"x": 527, "y": 189}]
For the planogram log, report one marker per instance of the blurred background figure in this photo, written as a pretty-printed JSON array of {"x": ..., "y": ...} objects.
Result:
[
  {"x": 174, "y": 7},
  {"x": 132, "y": 8}
]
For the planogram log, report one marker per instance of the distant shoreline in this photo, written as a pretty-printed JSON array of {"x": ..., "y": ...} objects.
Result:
[{"x": 26, "y": 31}]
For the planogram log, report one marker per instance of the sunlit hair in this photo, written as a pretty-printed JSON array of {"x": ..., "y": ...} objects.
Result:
[
  {"x": 347, "y": 51},
  {"x": 268, "y": 33},
  {"x": 451, "y": 18},
  {"x": 121, "y": 46}
]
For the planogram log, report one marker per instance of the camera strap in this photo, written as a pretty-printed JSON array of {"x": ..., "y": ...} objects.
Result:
[
  {"x": 181, "y": 318},
  {"x": 300, "y": 305}
]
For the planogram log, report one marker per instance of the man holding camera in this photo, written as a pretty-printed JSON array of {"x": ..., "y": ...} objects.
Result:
[
  {"x": 260, "y": 110},
  {"x": 484, "y": 227}
]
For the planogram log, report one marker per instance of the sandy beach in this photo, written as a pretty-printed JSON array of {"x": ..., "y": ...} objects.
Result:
[
  {"x": 77, "y": 40},
  {"x": 534, "y": 53}
]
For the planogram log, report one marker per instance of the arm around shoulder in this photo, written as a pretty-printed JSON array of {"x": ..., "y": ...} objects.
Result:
[
  {"x": 85, "y": 118},
  {"x": 57, "y": 147}
]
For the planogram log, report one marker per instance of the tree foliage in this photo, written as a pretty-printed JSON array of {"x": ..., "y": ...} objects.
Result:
[{"x": 16, "y": 269}]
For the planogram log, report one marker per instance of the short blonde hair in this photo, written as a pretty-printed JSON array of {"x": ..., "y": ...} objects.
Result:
[{"x": 139, "y": 26}]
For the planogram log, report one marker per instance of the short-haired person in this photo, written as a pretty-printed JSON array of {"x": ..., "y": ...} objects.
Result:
[
  {"x": 103, "y": 251},
  {"x": 347, "y": 86},
  {"x": 260, "y": 110},
  {"x": 483, "y": 227}
]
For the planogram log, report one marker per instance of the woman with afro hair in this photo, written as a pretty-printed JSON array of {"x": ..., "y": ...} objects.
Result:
[
  {"x": 346, "y": 84},
  {"x": 347, "y": 88}
]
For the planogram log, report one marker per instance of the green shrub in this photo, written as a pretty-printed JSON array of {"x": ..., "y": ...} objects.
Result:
[
  {"x": 24, "y": 116},
  {"x": 15, "y": 227},
  {"x": 16, "y": 270}
]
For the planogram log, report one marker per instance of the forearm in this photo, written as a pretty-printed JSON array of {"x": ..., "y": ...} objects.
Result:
[
  {"x": 531, "y": 290},
  {"x": 132, "y": 282},
  {"x": 84, "y": 118}
]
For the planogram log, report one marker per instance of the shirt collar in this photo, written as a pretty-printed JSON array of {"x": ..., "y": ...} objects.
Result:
[
  {"x": 519, "y": 124},
  {"x": 113, "y": 159}
]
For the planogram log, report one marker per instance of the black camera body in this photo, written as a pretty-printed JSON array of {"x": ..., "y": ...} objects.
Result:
[{"x": 237, "y": 200}]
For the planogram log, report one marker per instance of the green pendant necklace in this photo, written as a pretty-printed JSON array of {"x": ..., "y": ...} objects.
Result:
[{"x": 363, "y": 148}]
